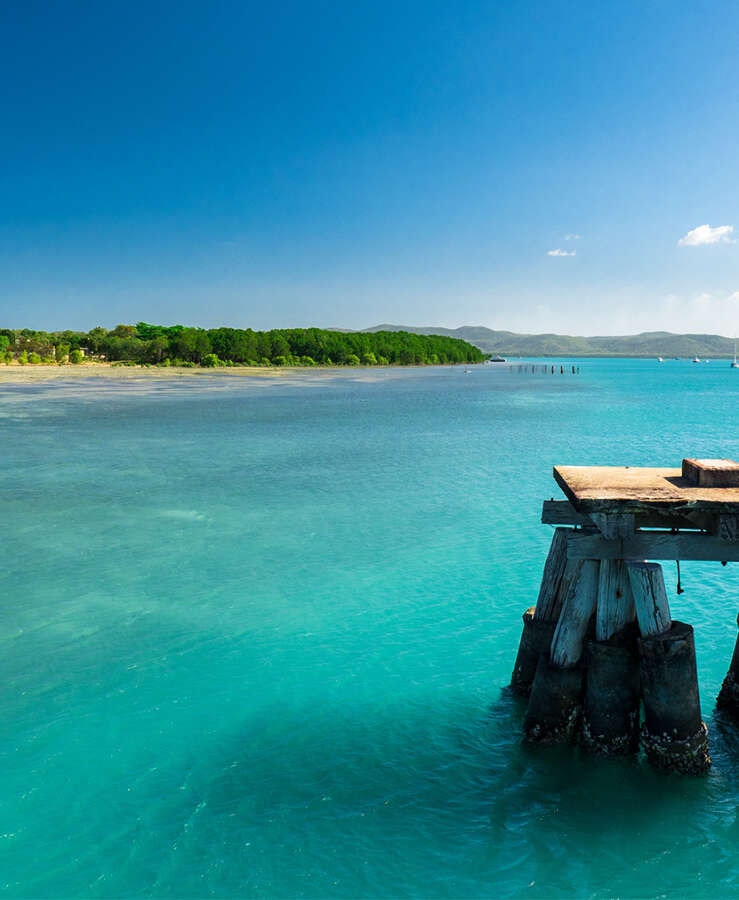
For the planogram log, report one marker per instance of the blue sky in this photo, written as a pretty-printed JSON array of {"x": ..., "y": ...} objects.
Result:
[{"x": 531, "y": 166}]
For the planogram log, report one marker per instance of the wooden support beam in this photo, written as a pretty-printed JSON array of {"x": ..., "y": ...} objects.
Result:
[
  {"x": 650, "y": 598},
  {"x": 549, "y": 602},
  {"x": 571, "y": 572},
  {"x": 562, "y": 512},
  {"x": 652, "y": 545},
  {"x": 577, "y": 610},
  {"x": 613, "y": 525},
  {"x": 728, "y": 528},
  {"x": 615, "y": 599}
]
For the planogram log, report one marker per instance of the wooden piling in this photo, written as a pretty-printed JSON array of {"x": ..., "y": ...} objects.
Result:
[
  {"x": 549, "y": 601},
  {"x": 728, "y": 698},
  {"x": 577, "y": 610},
  {"x": 650, "y": 597},
  {"x": 540, "y": 621},
  {"x": 555, "y": 704},
  {"x": 536, "y": 639},
  {"x": 615, "y": 599},
  {"x": 673, "y": 735},
  {"x": 610, "y": 722}
]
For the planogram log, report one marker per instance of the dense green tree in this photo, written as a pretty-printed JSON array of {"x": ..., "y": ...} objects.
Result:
[
  {"x": 202, "y": 345},
  {"x": 95, "y": 340},
  {"x": 280, "y": 346},
  {"x": 146, "y": 332},
  {"x": 145, "y": 343},
  {"x": 123, "y": 331},
  {"x": 118, "y": 347},
  {"x": 73, "y": 339},
  {"x": 31, "y": 341}
]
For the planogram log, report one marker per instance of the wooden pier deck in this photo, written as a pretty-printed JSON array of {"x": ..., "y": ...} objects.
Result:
[
  {"x": 626, "y": 512},
  {"x": 709, "y": 486}
]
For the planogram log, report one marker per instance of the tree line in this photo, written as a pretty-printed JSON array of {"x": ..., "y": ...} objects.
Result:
[{"x": 179, "y": 345}]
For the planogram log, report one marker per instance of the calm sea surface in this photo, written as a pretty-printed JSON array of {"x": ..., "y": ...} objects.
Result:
[{"x": 256, "y": 635}]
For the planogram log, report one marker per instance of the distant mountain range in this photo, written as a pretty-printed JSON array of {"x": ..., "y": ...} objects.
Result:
[{"x": 650, "y": 343}]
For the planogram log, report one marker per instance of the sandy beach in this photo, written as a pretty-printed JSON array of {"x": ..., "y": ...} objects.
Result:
[
  {"x": 18, "y": 374},
  {"x": 91, "y": 373}
]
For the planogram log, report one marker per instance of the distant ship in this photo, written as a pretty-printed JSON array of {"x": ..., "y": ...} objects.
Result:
[
  {"x": 735, "y": 364},
  {"x": 497, "y": 359}
]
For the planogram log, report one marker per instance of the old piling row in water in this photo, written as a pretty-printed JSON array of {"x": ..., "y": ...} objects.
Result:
[
  {"x": 601, "y": 661},
  {"x": 544, "y": 369}
]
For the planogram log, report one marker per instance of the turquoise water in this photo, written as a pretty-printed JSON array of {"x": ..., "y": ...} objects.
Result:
[{"x": 256, "y": 636}]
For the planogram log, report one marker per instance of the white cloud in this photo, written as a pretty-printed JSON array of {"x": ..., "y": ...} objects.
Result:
[
  {"x": 559, "y": 252},
  {"x": 572, "y": 237},
  {"x": 690, "y": 313},
  {"x": 704, "y": 234}
]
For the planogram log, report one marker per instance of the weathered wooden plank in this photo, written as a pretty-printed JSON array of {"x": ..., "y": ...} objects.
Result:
[
  {"x": 652, "y": 545},
  {"x": 650, "y": 597},
  {"x": 630, "y": 489},
  {"x": 588, "y": 486},
  {"x": 547, "y": 604},
  {"x": 577, "y": 610},
  {"x": 615, "y": 607}
]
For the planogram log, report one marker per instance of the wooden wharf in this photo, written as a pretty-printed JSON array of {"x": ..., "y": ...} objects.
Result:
[{"x": 601, "y": 660}]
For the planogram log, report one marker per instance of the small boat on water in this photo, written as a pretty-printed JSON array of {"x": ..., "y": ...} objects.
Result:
[
  {"x": 734, "y": 364},
  {"x": 696, "y": 359},
  {"x": 497, "y": 359}
]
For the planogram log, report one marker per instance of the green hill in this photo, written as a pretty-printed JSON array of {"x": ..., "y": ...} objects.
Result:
[{"x": 650, "y": 343}]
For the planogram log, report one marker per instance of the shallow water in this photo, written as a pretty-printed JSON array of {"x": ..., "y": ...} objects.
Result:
[{"x": 256, "y": 634}]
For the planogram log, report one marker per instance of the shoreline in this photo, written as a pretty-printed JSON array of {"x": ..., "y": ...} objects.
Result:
[{"x": 15, "y": 373}]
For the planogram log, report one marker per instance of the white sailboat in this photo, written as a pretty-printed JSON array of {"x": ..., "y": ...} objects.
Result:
[{"x": 735, "y": 364}]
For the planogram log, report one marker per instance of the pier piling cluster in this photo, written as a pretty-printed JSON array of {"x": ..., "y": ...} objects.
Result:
[
  {"x": 601, "y": 661},
  {"x": 544, "y": 369}
]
